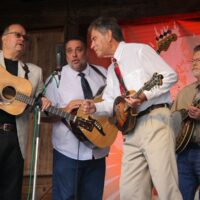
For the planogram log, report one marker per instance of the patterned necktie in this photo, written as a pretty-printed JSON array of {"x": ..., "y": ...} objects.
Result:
[
  {"x": 86, "y": 87},
  {"x": 122, "y": 86}
]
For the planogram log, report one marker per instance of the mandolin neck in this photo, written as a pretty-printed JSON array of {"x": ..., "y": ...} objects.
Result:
[
  {"x": 137, "y": 94},
  {"x": 61, "y": 113}
]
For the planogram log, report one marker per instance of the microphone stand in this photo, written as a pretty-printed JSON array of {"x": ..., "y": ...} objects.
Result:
[
  {"x": 37, "y": 141},
  {"x": 37, "y": 110}
]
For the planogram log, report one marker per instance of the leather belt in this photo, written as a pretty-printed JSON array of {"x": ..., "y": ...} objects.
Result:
[
  {"x": 152, "y": 107},
  {"x": 8, "y": 127}
]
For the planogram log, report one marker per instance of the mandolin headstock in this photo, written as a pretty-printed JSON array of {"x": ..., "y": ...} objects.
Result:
[{"x": 155, "y": 80}]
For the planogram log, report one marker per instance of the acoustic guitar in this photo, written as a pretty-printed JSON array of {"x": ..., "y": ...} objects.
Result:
[
  {"x": 15, "y": 95},
  {"x": 124, "y": 115},
  {"x": 104, "y": 133}
]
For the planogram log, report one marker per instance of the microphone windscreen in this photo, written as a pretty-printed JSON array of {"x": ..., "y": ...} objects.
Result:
[{"x": 60, "y": 56}]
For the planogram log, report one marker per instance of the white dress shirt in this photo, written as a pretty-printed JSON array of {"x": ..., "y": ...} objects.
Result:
[
  {"x": 137, "y": 63},
  {"x": 64, "y": 141}
]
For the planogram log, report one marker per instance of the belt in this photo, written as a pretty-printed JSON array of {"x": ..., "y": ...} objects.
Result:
[
  {"x": 152, "y": 107},
  {"x": 8, "y": 127}
]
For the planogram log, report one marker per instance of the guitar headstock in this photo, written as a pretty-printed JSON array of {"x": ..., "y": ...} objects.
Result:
[
  {"x": 155, "y": 80},
  {"x": 164, "y": 40}
]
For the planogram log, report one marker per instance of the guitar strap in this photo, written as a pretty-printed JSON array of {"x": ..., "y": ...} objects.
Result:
[
  {"x": 98, "y": 71},
  {"x": 100, "y": 90},
  {"x": 27, "y": 71},
  {"x": 123, "y": 88}
]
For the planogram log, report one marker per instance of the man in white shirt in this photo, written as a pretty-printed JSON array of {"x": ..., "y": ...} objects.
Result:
[
  {"x": 148, "y": 150},
  {"x": 78, "y": 170}
]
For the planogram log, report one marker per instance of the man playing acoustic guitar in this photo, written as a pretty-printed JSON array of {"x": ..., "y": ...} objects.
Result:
[
  {"x": 148, "y": 149},
  {"x": 188, "y": 158},
  {"x": 14, "y": 127},
  {"x": 78, "y": 169}
]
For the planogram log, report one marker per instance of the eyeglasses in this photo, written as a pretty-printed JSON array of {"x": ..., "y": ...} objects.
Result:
[
  {"x": 19, "y": 35},
  {"x": 194, "y": 60}
]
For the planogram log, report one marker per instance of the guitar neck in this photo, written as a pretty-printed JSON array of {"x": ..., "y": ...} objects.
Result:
[
  {"x": 61, "y": 113},
  {"x": 25, "y": 99},
  {"x": 51, "y": 109}
]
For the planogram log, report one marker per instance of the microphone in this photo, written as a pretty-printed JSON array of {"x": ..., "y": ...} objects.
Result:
[
  {"x": 58, "y": 65},
  {"x": 59, "y": 57}
]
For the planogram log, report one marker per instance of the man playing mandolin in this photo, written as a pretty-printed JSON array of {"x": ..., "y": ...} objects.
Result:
[
  {"x": 188, "y": 158},
  {"x": 148, "y": 148}
]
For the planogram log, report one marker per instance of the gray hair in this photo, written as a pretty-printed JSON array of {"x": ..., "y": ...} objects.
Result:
[{"x": 104, "y": 24}]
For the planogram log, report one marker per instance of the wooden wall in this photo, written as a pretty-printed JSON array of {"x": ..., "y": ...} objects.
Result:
[{"x": 41, "y": 51}]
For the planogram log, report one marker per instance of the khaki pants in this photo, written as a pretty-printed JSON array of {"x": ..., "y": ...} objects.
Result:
[{"x": 149, "y": 159}]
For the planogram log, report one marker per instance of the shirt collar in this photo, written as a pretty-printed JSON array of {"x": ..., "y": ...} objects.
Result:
[
  {"x": 86, "y": 71},
  {"x": 119, "y": 50}
]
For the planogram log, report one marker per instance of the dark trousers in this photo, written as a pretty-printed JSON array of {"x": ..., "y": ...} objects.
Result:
[
  {"x": 11, "y": 166},
  {"x": 77, "y": 180},
  {"x": 188, "y": 163}
]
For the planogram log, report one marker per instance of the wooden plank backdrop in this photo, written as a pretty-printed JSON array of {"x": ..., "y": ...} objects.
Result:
[{"x": 41, "y": 51}]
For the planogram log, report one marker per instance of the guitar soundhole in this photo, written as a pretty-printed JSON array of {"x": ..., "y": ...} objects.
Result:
[{"x": 8, "y": 93}]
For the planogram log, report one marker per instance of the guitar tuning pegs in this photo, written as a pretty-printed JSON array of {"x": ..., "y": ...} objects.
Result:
[
  {"x": 165, "y": 33},
  {"x": 169, "y": 31}
]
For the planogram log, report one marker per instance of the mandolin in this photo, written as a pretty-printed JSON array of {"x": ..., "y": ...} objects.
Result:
[
  {"x": 187, "y": 126},
  {"x": 124, "y": 115}
]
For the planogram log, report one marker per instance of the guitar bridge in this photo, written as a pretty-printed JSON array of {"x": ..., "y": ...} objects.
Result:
[{"x": 97, "y": 126}]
